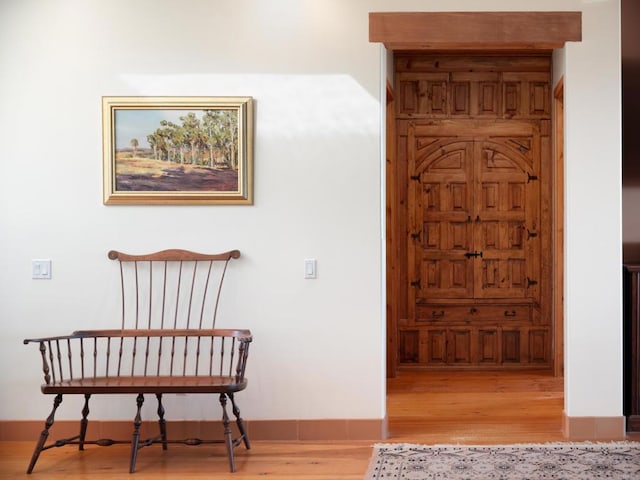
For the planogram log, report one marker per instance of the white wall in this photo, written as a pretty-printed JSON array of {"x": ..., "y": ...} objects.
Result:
[
  {"x": 314, "y": 77},
  {"x": 593, "y": 352},
  {"x": 319, "y": 344}
]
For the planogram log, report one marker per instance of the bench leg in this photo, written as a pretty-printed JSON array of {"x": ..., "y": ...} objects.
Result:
[
  {"x": 84, "y": 422},
  {"x": 45, "y": 433},
  {"x": 162, "y": 422},
  {"x": 136, "y": 433},
  {"x": 240, "y": 422},
  {"x": 227, "y": 432}
]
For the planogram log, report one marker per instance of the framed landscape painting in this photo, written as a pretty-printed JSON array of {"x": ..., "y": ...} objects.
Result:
[{"x": 177, "y": 150}]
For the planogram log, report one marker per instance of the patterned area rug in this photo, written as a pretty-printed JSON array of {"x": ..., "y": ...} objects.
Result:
[{"x": 566, "y": 461}]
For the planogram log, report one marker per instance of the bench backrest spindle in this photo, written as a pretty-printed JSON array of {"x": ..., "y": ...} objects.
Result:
[
  {"x": 45, "y": 366},
  {"x": 69, "y": 358},
  {"x": 53, "y": 369},
  {"x": 82, "y": 358},
  {"x": 178, "y": 284}
]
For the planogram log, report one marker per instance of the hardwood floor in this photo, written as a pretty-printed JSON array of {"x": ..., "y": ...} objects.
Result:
[
  {"x": 475, "y": 407},
  {"x": 423, "y": 407},
  {"x": 294, "y": 461}
]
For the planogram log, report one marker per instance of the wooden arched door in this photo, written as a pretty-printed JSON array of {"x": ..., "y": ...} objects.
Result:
[{"x": 475, "y": 145}]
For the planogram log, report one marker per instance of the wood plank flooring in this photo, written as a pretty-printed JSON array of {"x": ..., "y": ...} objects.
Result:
[
  {"x": 475, "y": 407},
  {"x": 423, "y": 407}
]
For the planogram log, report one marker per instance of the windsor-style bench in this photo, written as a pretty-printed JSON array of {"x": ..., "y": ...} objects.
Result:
[{"x": 167, "y": 343}]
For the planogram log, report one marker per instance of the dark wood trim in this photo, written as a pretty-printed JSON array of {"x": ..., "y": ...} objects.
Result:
[
  {"x": 631, "y": 346},
  {"x": 393, "y": 241},
  {"x": 474, "y": 30},
  {"x": 558, "y": 229}
]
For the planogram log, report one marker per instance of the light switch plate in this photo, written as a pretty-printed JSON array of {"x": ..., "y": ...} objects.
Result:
[
  {"x": 310, "y": 268},
  {"x": 41, "y": 269}
]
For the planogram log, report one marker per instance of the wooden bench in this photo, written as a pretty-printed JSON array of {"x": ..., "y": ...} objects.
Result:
[{"x": 167, "y": 343}]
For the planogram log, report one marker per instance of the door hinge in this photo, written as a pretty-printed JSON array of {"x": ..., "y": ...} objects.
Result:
[
  {"x": 531, "y": 234},
  {"x": 473, "y": 254},
  {"x": 531, "y": 177},
  {"x": 415, "y": 178},
  {"x": 416, "y": 284},
  {"x": 415, "y": 236},
  {"x": 531, "y": 282}
]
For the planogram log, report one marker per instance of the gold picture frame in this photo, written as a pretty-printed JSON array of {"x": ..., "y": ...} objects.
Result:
[{"x": 178, "y": 150}]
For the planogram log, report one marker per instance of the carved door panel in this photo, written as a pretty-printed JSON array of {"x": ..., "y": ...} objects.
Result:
[
  {"x": 473, "y": 216},
  {"x": 506, "y": 218},
  {"x": 442, "y": 204},
  {"x": 471, "y": 195}
]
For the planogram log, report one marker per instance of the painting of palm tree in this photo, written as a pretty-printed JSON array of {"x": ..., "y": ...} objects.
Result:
[{"x": 177, "y": 150}]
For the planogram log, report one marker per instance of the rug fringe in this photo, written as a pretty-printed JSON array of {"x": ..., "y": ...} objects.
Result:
[{"x": 498, "y": 445}]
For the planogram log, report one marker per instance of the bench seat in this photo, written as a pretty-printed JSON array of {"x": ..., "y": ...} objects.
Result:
[{"x": 162, "y": 384}]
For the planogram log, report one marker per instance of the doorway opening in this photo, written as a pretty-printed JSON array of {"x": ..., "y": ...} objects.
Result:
[
  {"x": 474, "y": 247},
  {"x": 471, "y": 33}
]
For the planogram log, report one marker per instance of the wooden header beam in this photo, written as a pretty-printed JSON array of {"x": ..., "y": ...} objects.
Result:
[{"x": 475, "y": 30}]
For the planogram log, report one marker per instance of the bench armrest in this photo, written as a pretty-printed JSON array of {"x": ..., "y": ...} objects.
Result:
[{"x": 144, "y": 352}]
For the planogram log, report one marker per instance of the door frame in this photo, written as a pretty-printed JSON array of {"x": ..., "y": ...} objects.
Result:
[
  {"x": 474, "y": 32},
  {"x": 557, "y": 183}
]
